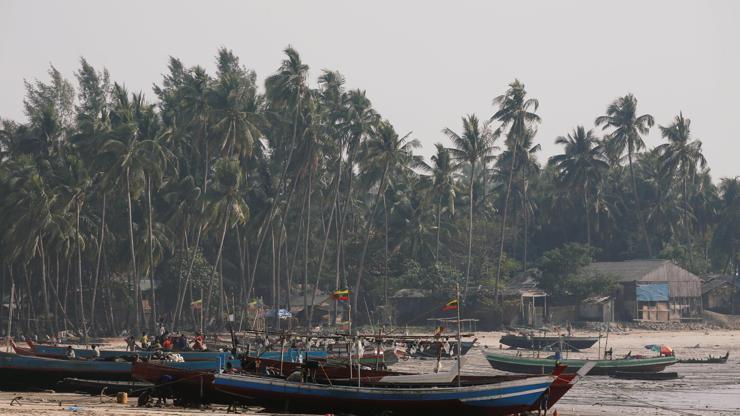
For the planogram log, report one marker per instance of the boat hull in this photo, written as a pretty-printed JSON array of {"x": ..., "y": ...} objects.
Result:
[
  {"x": 55, "y": 351},
  {"x": 523, "y": 365},
  {"x": 24, "y": 372},
  {"x": 499, "y": 399},
  {"x": 538, "y": 343}
]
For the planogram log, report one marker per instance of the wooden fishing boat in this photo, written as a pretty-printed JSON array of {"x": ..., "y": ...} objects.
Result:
[
  {"x": 398, "y": 395},
  {"x": 21, "y": 371},
  {"x": 709, "y": 360},
  {"x": 57, "y": 351},
  {"x": 533, "y": 342},
  {"x": 103, "y": 386},
  {"x": 526, "y": 365},
  {"x": 629, "y": 375},
  {"x": 328, "y": 370},
  {"x": 431, "y": 349}
]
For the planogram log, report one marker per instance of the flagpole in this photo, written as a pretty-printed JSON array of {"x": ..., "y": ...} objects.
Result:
[{"x": 459, "y": 341}]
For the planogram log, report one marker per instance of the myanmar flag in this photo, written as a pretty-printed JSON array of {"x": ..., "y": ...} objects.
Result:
[
  {"x": 341, "y": 294},
  {"x": 451, "y": 306}
]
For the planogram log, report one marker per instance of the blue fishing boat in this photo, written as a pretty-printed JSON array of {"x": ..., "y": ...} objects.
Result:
[
  {"x": 21, "y": 371},
  {"x": 393, "y": 394}
]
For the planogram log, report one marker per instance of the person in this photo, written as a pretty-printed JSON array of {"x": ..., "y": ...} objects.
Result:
[
  {"x": 161, "y": 329},
  {"x": 96, "y": 351},
  {"x": 144, "y": 341},
  {"x": 130, "y": 343},
  {"x": 167, "y": 344},
  {"x": 182, "y": 343},
  {"x": 199, "y": 344},
  {"x": 70, "y": 353}
]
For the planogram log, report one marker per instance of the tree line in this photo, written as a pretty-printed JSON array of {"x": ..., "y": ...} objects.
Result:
[{"x": 222, "y": 190}]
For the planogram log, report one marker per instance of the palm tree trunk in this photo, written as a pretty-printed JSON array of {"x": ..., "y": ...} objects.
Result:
[
  {"x": 323, "y": 253},
  {"x": 134, "y": 276},
  {"x": 470, "y": 229},
  {"x": 588, "y": 214},
  {"x": 83, "y": 325},
  {"x": 47, "y": 318},
  {"x": 181, "y": 299},
  {"x": 385, "y": 275},
  {"x": 305, "y": 252},
  {"x": 151, "y": 252},
  {"x": 207, "y": 306},
  {"x": 639, "y": 208},
  {"x": 503, "y": 222},
  {"x": 368, "y": 232},
  {"x": 97, "y": 267}
]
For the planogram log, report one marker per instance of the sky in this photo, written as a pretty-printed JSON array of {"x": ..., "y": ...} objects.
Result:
[{"x": 424, "y": 64}]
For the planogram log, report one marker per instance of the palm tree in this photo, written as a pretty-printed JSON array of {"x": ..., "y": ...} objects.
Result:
[
  {"x": 443, "y": 187},
  {"x": 680, "y": 158},
  {"x": 474, "y": 146},
  {"x": 627, "y": 131},
  {"x": 226, "y": 207},
  {"x": 523, "y": 158},
  {"x": 383, "y": 153},
  {"x": 581, "y": 166},
  {"x": 517, "y": 113}
]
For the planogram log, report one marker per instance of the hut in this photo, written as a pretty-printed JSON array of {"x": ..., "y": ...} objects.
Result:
[
  {"x": 524, "y": 303},
  {"x": 720, "y": 294},
  {"x": 653, "y": 290}
]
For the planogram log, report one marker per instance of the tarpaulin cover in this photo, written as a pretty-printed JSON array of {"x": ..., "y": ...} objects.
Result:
[{"x": 652, "y": 292}]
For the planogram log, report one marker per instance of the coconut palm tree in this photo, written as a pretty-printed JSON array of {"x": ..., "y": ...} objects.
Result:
[
  {"x": 679, "y": 159},
  {"x": 443, "y": 186},
  {"x": 580, "y": 166},
  {"x": 523, "y": 158},
  {"x": 385, "y": 152},
  {"x": 474, "y": 146},
  {"x": 627, "y": 129},
  {"x": 517, "y": 116},
  {"x": 226, "y": 208}
]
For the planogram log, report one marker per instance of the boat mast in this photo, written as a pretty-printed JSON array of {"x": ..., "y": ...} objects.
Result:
[{"x": 459, "y": 340}]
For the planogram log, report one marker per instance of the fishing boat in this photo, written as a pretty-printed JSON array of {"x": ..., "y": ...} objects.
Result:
[
  {"x": 630, "y": 375},
  {"x": 709, "y": 360},
  {"x": 530, "y": 365},
  {"x": 132, "y": 388},
  {"x": 533, "y": 342},
  {"x": 57, "y": 351},
  {"x": 391, "y": 394},
  {"x": 431, "y": 349},
  {"x": 22, "y": 371}
]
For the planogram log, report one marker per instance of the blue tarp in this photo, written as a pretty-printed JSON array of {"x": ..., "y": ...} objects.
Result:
[{"x": 652, "y": 292}]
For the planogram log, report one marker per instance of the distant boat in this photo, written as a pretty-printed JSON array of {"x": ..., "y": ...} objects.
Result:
[
  {"x": 527, "y": 365},
  {"x": 709, "y": 360},
  {"x": 629, "y": 375},
  {"x": 548, "y": 342}
]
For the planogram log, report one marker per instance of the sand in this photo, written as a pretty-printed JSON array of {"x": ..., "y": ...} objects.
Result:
[{"x": 704, "y": 390}]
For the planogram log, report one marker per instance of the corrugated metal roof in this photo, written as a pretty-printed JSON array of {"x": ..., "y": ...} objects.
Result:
[{"x": 628, "y": 270}]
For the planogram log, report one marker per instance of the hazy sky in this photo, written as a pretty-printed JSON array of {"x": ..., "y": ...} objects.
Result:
[{"x": 423, "y": 64}]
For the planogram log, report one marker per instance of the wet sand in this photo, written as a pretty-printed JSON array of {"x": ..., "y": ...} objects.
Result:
[{"x": 705, "y": 389}]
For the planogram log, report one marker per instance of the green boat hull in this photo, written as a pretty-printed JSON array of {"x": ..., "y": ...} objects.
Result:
[{"x": 525, "y": 365}]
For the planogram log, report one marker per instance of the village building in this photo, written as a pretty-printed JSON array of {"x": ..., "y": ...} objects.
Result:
[
  {"x": 653, "y": 290},
  {"x": 721, "y": 294}
]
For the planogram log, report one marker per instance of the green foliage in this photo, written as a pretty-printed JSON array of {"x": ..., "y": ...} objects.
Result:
[
  {"x": 302, "y": 182},
  {"x": 563, "y": 274}
]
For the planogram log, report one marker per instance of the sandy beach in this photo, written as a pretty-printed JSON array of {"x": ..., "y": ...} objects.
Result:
[{"x": 704, "y": 389}]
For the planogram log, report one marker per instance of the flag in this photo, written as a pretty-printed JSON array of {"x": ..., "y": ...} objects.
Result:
[
  {"x": 197, "y": 304},
  {"x": 341, "y": 294},
  {"x": 451, "y": 306}
]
